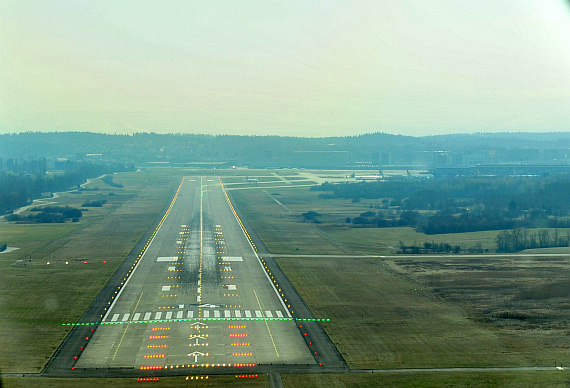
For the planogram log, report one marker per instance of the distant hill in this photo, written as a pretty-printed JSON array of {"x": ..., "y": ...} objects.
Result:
[{"x": 374, "y": 150}]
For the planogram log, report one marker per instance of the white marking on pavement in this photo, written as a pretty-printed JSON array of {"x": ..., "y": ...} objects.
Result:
[
  {"x": 238, "y": 314},
  {"x": 232, "y": 258},
  {"x": 247, "y": 314},
  {"x": 217, "y": 313},
  {"x": 279, "y": 314},
  {"x": 147, "y": 316},
  {"x": 227, "y": 314},
  {"x": 190, "y": 314},
  {"x": 136, "y": 317},
  {"x": 179, "y": 314},
  {"x": 115, "y": 317},
  {"x": 268, "y": 314},
  {"x": 165, "y": 288},
  {"x": 206, "y": 313},
  {"x": 167, "y": 258},
  {"x": 231, "y": 287},
  {"x": 158, "y": 315},
  {"x": 258, "y": 314},
  {"x": 126, "y": 317},
  {"x": 169, "y": 315}
]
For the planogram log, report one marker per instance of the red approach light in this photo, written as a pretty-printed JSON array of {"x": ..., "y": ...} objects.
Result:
[
  {"x": 85, "y": 262},
  {"x": 104, "y": 261}
]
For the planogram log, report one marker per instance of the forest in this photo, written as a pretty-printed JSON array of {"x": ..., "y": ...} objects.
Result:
[
  {"x": 461, "y": 204},
  {"x": 19, "y": 189}
]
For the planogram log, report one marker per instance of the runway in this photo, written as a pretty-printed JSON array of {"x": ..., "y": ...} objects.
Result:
[{"x": 198, "y": 297}]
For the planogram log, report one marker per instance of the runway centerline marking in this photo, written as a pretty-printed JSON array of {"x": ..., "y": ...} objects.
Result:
[
  {"x": 126, "y": 328},
  {"x": 267, "y": 325}
]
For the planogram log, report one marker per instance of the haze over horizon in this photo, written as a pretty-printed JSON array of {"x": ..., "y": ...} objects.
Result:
[{"x": 302, "y": 68}]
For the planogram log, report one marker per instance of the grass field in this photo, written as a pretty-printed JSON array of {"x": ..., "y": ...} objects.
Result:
[
  {"x": 381, "y": 318},
  {"x": 385, "y": 241},
  {"x": 199, "y": 381},
  {"x": 36, "y": 298},
  {"x": 279, "y": 229},
  {"x": 524, "y": 297},
  {"x": 514, "y": 379}
]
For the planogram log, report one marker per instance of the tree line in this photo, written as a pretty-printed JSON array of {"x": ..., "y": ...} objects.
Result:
[
  {"x": 518, "y": 239},
  {"x": 462, "y": 204},
  {"x": 20, "y": 189},
  {"x": 49, "y": 214}
]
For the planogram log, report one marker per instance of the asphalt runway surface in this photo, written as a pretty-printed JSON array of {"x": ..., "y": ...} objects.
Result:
[{"x": 198, "y": 297}]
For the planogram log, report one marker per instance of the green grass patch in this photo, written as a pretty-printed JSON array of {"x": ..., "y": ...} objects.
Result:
[
  {"x": 386, "y": 240},
  {"x": 280, "y": 230},
  {"x": 515, "y": 379},
  {"x": 36, "y": 298},
  {"x": 178, "y": 381},
  {"x": 380, "y": 318}
]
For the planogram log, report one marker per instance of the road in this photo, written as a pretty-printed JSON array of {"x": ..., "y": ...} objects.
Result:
[{"x": 197, "y": 297}]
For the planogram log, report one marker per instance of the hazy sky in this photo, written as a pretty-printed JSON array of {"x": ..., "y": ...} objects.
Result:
[{"x": 308, "y": 68}]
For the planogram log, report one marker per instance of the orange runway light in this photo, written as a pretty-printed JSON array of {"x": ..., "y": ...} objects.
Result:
[{"x": 154, "y": 356}]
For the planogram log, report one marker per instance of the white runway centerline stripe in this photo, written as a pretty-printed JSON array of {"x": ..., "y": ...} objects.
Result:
[{"x": 147, "y": 316}]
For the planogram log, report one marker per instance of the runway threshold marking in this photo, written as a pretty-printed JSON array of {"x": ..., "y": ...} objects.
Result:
[
  {"x": 126, "y": 328},
  {"x": 267, "y": 325}
]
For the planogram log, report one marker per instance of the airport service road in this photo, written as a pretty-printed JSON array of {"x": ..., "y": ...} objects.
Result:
[{"x": 198, "y": 296}]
